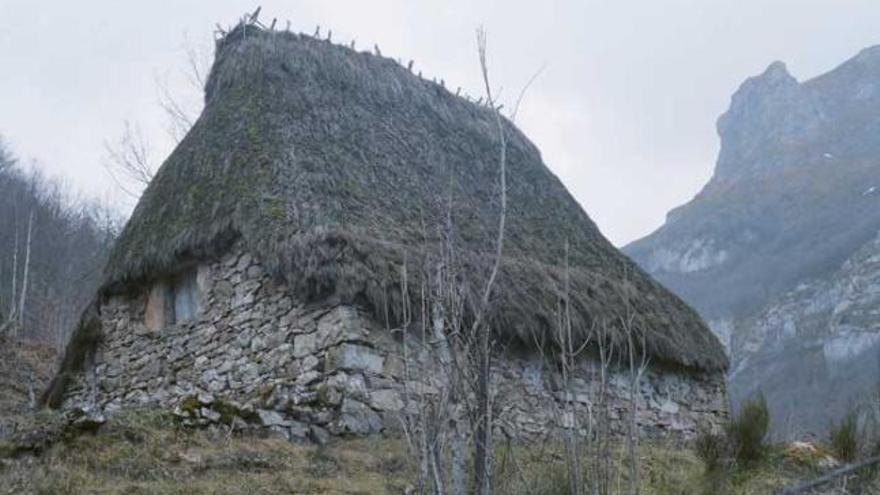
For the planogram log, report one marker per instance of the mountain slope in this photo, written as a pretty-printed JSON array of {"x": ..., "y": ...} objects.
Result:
[
  {"x": 817, "y": 346},
  {"x": 795, "y": 194}
]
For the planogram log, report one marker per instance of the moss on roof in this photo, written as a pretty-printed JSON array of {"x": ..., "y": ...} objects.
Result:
[{"x": 337, "y": 167}]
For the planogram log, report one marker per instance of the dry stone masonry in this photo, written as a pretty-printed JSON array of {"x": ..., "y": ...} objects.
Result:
[{"x": 255, "y": 357}]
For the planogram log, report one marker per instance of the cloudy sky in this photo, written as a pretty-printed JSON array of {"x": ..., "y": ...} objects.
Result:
[{"x": 624, "y": 111}]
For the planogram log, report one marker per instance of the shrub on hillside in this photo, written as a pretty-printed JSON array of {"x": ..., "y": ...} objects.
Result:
[
  {"x": 747, "y": 431},
  {"x": 845, "y": 438}
]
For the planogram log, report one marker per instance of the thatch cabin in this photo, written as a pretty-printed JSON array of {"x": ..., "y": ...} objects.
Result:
[{"x": 263, "y": 265}]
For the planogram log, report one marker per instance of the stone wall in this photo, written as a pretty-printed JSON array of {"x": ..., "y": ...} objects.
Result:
[{"x": 257, "y": 357}]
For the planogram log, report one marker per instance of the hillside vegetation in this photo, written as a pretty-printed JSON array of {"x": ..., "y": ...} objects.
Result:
[
  {"x": 147, "y": 451},
  {"x": 53, "y": 246},
  {"x": 25, "y": 370}
]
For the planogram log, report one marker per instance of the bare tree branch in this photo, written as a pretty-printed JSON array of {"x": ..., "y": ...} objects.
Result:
[
  {"x": 502, "y": 165},
  {"x": 128, "y": 161},
  {"x": 198, "y": 64},
  {"x": 179, "y": 119},
  {"x": 523, "y": 91}
]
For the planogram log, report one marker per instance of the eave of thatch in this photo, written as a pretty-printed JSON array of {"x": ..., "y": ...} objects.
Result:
[{"x": 336, "y": 168}]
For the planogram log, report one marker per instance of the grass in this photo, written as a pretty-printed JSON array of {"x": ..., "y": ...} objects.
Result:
[
  {"x": 748, "y": 430},
  {"x": 20, "y": 362},
  {"x": 845, "y": 438},
  {"x": 147, "y": 452},
  {"x": 667, "y": 468},
  {"x": 712, "y": 448}
]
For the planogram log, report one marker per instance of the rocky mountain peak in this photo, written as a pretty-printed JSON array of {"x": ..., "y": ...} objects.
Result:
[
  {"x": 764, "y": 110},
  {"x": 775, "y": 73},
  {"x": 775, "y": 122}
]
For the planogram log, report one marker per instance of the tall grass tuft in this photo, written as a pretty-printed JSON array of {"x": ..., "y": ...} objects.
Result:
[
  {"x": 844, "y": 439},
  {"x": 747, "y": 432}
]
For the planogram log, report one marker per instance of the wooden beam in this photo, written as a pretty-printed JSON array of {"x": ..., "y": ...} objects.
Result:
[
  {"x": 256, "y": 14},
  {"x": 837, "y": 473}
]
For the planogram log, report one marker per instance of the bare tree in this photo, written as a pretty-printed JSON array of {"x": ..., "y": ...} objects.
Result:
[
  {"x": 12, "y": 315},
  {"x": 27, "y": 265},
  {"x": 637, "y": 358},
  {"x": 483, "y": 430},
  {"x": 128, "y": 161},
  {"x": 439, "y": 425},
  {"x": 568, "y": 355},
  {"x": 182, "y": 107}
]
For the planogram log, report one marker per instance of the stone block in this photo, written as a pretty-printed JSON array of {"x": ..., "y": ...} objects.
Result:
[
  {"x": 386, "y": 400},
  {"x": 329, "y": 395},
  {"x": 356, "y": 418},
  {"x": 319, "y": 435},
  {"x": 355, "y": 357},
  {"x": 271, "y": 418},
  {"x": 305, "y": 345}
]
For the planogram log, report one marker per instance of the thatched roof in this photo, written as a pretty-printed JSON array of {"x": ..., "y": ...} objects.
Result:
[{"x": 336, "y": 167}]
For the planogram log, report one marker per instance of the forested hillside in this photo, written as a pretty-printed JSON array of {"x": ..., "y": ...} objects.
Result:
[{"x": 53, "y": 246}]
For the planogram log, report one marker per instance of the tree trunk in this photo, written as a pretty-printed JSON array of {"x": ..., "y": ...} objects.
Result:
[
  {"x": 13, "y": 298},
  {"x": 633, "y": 440},
  {"x": 27, "y": 265},
  {"x": 458, "y": 461},
  {"x": 445, "y": 355},
  {"x": 483, "y": 436},
  {"x": 483, "y": 430},
  {"x": 32, "y": 396}
]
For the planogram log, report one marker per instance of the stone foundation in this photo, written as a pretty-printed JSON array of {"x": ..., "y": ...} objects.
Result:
[{"x": 256, "y": 356}]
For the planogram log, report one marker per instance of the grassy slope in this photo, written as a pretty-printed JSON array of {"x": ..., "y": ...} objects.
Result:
[{"x": 145, "y": 452}]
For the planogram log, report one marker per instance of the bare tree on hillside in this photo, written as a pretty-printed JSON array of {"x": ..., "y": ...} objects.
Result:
[
  {"x": 181, "y": 111},
  {"x": 130, "y": 159},
  {"x": 24, "y": 280},
  {"x": 637, "y": 364},
  {"x": 439, "y": 426},
  {"x": 462, "y": 408},
  {"x": 481, "y": 330},
  {"x": 52, "y": 247}
]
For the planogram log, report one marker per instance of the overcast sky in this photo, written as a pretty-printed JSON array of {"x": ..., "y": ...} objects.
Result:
[{"x": 624, "y": 112}]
